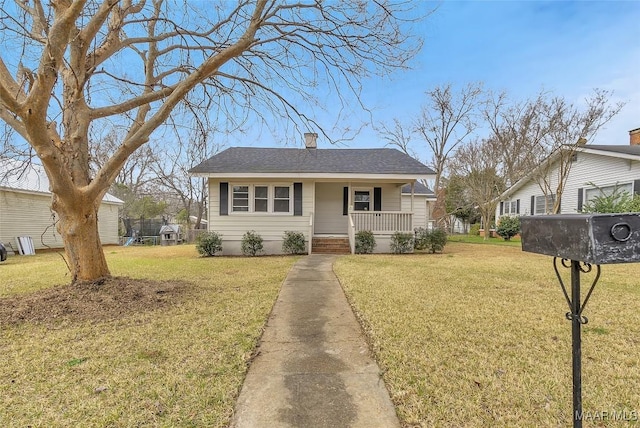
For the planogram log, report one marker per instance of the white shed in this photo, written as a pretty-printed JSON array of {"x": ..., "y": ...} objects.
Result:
[{"x": 25, "y": 208}]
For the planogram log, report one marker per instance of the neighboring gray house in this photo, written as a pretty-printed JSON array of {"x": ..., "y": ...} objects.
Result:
[
  {"x": 25, "y": 208},
  {"x": 327, "y": 194},
  {"x": 594, "y": 169}
]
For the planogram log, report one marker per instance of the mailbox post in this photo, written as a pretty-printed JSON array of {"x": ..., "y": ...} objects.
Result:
[{"x": 579, "y": 242}]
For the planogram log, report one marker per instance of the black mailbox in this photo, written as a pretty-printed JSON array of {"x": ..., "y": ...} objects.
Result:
[
  {"x": 590, "y": 238},
  {"x": 578, "y": 241}
]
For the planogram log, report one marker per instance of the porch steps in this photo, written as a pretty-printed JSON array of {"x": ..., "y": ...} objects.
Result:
[{"x": 330, "y": 246}]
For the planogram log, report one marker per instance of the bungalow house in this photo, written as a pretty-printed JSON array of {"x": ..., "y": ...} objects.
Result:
[
  {"x": 327, "y": 194},
  {"x": 25, "y": 208},
  {"x": 593, "y": 169}
]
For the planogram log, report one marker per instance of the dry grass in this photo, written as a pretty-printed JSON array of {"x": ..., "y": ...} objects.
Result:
[
  {"x": 476, "y": 337},
  {"x": 181, "y": 365}
]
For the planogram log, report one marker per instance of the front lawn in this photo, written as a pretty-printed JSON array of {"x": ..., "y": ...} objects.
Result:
[
  {"x": 175, "y": 359},
  {"x": 477, "y": 239},
  {"x": 477, "y": 337}
]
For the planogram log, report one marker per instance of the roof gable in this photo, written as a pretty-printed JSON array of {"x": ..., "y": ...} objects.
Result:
[
  {"x": 617, "y": 151},
  {"x": 287, "y": 160}
]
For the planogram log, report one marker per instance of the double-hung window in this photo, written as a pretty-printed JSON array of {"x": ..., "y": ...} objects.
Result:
[
  {"x": 362, "y": 200},
  {"x": 261, "y": 199},
  {"x": 544, "y": 204},
  {"x": 608, "y": 191},
  {"x": 281, "y": 199},
  {"x": 511, "y": 207}
]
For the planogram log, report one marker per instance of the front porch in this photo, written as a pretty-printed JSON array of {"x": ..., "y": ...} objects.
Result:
[
  {"x": 382, "y": 224},
  {"x": 343, "y": 209}
]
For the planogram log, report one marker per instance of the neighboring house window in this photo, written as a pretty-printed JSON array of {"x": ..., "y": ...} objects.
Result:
[
  {"x": 261, "y": 199},
  {"x": 511, "y": 207},
  {"x": 240, "y": 200},
  {"x": 544, "y": 204},
  {"x": 589, "y": 194},
  {"x": 282, "y": 199},
  {"x": 362, "y": 199}
]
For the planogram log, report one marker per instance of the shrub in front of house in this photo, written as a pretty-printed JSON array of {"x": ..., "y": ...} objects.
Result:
[
  {"x": 365, "y": 242},
  {"x": 208, "y": 244},
  {"x": 508, "y": 227},
  {"x": 251, "y": 243},
  {"x": 436, "y": 241},
  {"x": 293, "y": 242},
  {"x": 475, "y": 229},
  {"x": 402, "y": 242},
  {"x": 421, "y": 238}
]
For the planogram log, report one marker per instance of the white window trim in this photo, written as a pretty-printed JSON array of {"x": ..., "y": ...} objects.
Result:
[
  {"x": 362, "y": 189},
  {"x": 508, "y": 203},
  {"x": 270, "y": 198}
]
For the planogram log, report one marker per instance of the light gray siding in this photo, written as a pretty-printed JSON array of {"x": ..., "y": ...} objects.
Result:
[
  {"x": 270, "y": 226},
  {"x": 419, "y": 209},
  {"x": 29, "y": 214}
]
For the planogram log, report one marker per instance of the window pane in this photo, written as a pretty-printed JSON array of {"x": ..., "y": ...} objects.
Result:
[
  {"x": 281, "y": 205},
  {"x": 282, "y": 192},
  {"x": 261, "y": 192},
  {"x": 540, "y": 206},
  {"x": 361, "y": 196},
  {"x": 261, "y": 205},
  {"x": 361, "y": 206},
  {"x": 514, "y": 207},
  {"x": 241, "y": 189}
]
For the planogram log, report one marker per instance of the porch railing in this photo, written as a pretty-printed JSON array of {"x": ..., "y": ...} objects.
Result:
[{"x": 382, "y": 222}]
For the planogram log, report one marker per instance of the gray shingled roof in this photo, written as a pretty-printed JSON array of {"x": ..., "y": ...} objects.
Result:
[
  {"x": 623, "y": 149},
  {"x": 418, "y": 189},
  {"x": 287, "y": 160}
]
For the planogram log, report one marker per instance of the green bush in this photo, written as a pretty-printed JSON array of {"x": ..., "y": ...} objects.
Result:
[
  {"x": 437, "y": 240},
  {"x": 430, "y": 240},
  {"x": 401, "y": 243},
  {"x": 365, "y": 242},
  {"x": 421, "y": 238},
  {"x": 251, "y": 243},
  {"x": 475, "y": 229},
  {"x": 208, "y": 244},
  {"x": 293, "y": 243},
  {"x": 508, "y": 227}
]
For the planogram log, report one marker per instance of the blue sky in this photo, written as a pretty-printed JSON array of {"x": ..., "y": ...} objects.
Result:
[{"x": 520, "y": 47}]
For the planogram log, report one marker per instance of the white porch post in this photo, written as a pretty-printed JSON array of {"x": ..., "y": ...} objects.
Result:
[{"x": 413, "y": 184}]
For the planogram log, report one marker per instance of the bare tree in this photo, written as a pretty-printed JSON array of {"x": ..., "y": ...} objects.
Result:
[
  {"x": 569, "y": 127},
  {"x": 172, "y": 165},
  {"x": 68, "y": 66},
  {"x": 478, "y": 165},
  {"x": 519, "y": 129},
  {"x": 446, "y": 121}
]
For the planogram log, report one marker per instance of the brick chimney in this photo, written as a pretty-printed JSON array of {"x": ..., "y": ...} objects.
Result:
[
  {"x": 310, "y": 140},
  {"x": 634, "y": 137}
]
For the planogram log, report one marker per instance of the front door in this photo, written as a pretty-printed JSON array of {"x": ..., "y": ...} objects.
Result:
[{"x": 328, "y": 218}]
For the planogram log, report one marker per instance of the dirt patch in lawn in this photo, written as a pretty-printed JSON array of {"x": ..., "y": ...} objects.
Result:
[{"x": 105, "y": 300}]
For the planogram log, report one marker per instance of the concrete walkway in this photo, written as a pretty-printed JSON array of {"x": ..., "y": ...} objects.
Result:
[{"x": 313, "y": 367}]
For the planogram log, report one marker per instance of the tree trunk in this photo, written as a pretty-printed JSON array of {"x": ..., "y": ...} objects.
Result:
[{"x": 78, "y": 226}]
